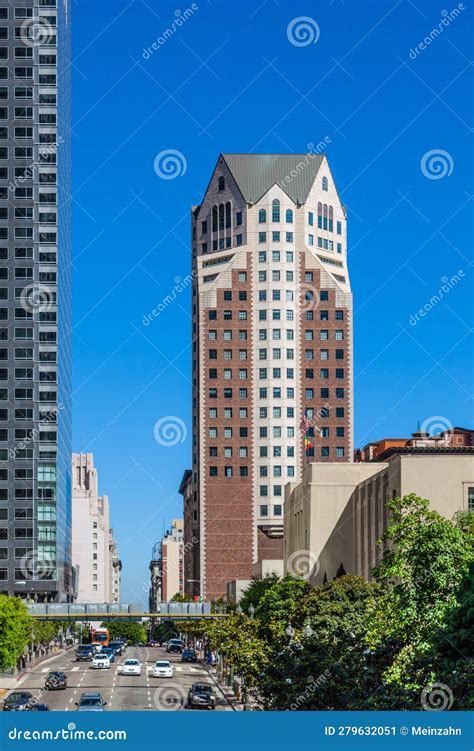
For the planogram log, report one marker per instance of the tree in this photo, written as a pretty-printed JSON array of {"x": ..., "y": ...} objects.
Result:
[
  {"x": 15, "y": 630},
  {"x": 237, "y": 639},
  {"x": 180, "y": 597},
  {"x": 322, "y": 666},
  {"x": 256, "y": 590},
  {"x": 135, "y": 633},
  {"x": 422, "y": 569},
  {"x": 282, "y": 603}
]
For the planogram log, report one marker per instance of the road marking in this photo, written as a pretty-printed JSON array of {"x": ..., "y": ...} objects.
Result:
[
  {"x": 75, "y": 670},
  {"x": 45, "y": 670},
  {"x": 178, "y": 668},
  {"x": 70, "y": 700}
]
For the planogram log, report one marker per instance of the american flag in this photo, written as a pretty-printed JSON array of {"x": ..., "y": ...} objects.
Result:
[{"x": 304, "y": 424}]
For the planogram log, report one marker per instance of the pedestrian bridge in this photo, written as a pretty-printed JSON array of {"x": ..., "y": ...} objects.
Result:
[{"x": 168, "y": 611}]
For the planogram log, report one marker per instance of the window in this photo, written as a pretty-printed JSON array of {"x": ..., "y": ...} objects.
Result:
[
  {"x": 227, "y": 471},
  {"x": 338, "y": 228},
  {"x": 289, "y": 237},
  {"x": 262, "y": 256},
  {"x": 339, "y": 451},
  {"x": 221, "y": 183},
  {"x": 242, "y": 276},
  {"x": 324, "y": 451},
  {"x": 325, "y": 183},
  {"x": 213, "y": 471},
  {"x": 262, "y": 216},
  {"x": 238, "y": 218},
  {"x": 310, "y": 218},
  {"x": 289, "y": 216},
  {"x": 339, "y": 315},
  {"x": 262, "y": 237},
  {"x": 276, "y": 210}
]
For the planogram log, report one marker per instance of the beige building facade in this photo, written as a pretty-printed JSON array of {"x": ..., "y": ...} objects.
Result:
[
  {"x": 94, "y": 551},
  {"x": 334, "y": 517}
]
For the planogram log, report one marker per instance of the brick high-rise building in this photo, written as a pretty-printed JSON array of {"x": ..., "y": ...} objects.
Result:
[{"x": 272, "y": 344}]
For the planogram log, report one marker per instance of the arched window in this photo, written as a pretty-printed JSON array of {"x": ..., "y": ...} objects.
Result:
[
  {"x": 276, "y": 210},
  {"x": 221, "y": 216},
  {"x": 221, "y": 183},
  {"x": 289, "y": 216},
  {"x": 325, "y": 183},
  {"x": 228, "y": 215},
  {"x": 214, "y": 218},
  {"x": 320, "y": 215},
  {"x": 331, "y": 219},
  {"x": 262, "y": 216},
  {"x": 325, "y": 216}
]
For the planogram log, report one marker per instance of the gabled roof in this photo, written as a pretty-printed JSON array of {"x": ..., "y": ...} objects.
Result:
[{"x": 255, "y": 174}]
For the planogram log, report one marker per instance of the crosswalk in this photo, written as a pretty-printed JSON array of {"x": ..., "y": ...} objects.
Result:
[{"x": 180, "y": 669}]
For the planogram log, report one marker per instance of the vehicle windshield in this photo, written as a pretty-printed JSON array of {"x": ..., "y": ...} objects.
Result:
[
  {"x": 101, "y": 657},
  {"x": 90, "y": 702},
  {"x": 203, "y": 688},
  {"x": 162, "y": 665},
  {"x": 19, "y": 697},
  {"x": 131, "y": 662},
  {"x": 100, "y": 637}
]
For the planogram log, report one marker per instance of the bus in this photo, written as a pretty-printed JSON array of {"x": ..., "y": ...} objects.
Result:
[{"x": 100, "y": 637}]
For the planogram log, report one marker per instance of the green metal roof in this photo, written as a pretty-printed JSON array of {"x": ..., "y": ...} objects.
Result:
[{"x": 255, "y": 174}]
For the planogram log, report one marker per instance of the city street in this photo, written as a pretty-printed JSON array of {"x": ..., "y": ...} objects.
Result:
[{"x": 121, "y": 692}]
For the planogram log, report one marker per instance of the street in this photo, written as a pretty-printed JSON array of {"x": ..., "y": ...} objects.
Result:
[{"x": 121, "y": 692}]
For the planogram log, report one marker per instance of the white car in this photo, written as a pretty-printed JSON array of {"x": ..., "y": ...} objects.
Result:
[
  {"x": 100, "y": 662},
  {"x": 130, "y": 667},
  {"x": 162, "y": 669}
]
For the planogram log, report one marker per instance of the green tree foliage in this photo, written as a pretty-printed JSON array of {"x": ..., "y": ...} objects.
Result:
[
  {"x": 15, "y": 630},
  {"x": 237, "y": 639},
  {"x": 256, "y": 589},
  {"x": 133, "y": 632},
  {"x": 422, "y": 569},
  {"x": 180, "y": 597}
]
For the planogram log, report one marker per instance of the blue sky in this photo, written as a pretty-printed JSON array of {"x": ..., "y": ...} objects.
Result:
[{"x": 230, "y": 79}]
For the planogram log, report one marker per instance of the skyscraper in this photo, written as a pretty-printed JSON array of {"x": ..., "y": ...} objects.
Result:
[
  {"x": 272, "y": 354},
  {"x": 35, "y": 309}
]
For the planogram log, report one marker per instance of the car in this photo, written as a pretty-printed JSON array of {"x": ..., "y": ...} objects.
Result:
[
  {"x": 201, "y": 695},
  {"x": 189, "y": 655},
  {"x": 162, "y": 669},
  {"x": 153, "y": 643},
  {"x": 130, "y": 667},
  {"x": 175, "y": 645},
  {"x": 100, "y": 662},
  {"x": 55, "y": 681},
  {"x": 37, "y": 708},
  {"x": 117, "y": 646},
  {"x": 110, "y": 653},
  {"x": 17, "y": 701},
  {"x": 91, "y": 702},
  {"x": 85, "y": 652}
]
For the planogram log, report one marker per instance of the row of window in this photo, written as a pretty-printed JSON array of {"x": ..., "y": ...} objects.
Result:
[
  {"x": 22, "y": 13},
  {"x": 26, "y": 92},
  {"x": 26, "y": 132},
  {"x": 277, "y": 509},
  {"x": 276, "y": 315},
  {"x": 223, "y": 243},
  {"x": 325, "y": 244},
  {"x": 262, "y": 237},
  {"x": 22, "y": 73},
  {"x": 262, "y": 214},
  {"x": 277, "y": 373},
  {"x": 242, "y": 412}
]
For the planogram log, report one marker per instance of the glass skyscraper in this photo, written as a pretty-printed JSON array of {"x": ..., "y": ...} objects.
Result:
[{"x": 35, "y": 300}]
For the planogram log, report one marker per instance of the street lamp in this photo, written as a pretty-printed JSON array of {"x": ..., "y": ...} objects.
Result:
[
  {"x": 290, "y": 632},
  {"x": 251, "y": 610},
  {"x": 308, "y": 631},
  {"x": 239, "y": 610}
]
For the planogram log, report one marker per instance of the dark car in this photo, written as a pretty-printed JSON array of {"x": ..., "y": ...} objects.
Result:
[
  {"x": 117, "y": 646},
  {"x": 91, "y": 702},
  {"x": 201, "y": 695},
  {"x": 189, "y": 655},
  {"x": 175, "y": 645},
  {"x": 18, "y": 700},
  {"x": 55, "y": 681},
  {"x": 85, "y": 652},
  {"x": 110, "y": 652},
  {"x": 37, "y": 708}
]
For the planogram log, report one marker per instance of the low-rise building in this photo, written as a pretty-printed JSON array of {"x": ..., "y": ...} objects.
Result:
[
  {"x": 450, "y": 438},
  {"x": 334, "y": 517}
]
